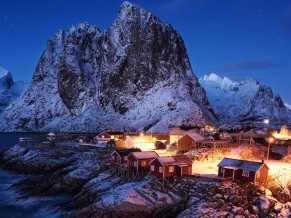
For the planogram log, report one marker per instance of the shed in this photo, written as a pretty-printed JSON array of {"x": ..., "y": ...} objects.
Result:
[
  {"x": 51, "y": 136},
  {"x": 120, "y": 156},
  {"x": 189, "y": 141},
  {"x": 141, "y": 160},
  {"x": 243, "y": 170},
  {"x": 168, "y": 166}
]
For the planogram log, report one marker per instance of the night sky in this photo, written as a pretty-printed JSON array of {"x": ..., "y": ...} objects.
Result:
[{"x": 238, "y": 39}]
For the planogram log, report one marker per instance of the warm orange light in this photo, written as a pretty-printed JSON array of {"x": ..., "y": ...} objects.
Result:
[
  {"x": 154, "y": 139},
  {"x": 141, "y": 134},
  {"x": 112, "y": 137}
]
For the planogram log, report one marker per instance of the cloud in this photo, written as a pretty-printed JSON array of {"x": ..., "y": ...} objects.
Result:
[{"x": 250, "y": 66}]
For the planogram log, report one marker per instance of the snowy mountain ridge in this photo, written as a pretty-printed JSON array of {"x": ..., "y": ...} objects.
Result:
[
  {"x": 136, "y": 75},
  {"x": 247, "y": 100},
  {"x": 9, "y": 90}
]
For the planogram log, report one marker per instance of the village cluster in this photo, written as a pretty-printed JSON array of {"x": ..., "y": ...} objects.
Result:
[{"x": 135, "y": 155}]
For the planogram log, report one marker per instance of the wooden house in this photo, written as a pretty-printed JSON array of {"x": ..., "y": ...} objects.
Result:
[
  {"x": 141, "y": 160},
  {"x": 120, "y": 156},
  {"x": 111, "y": 135},
  {"x": 189, "y": 141},
  {"x": 243, "y": 170},
  {"x": 168, "y": 166},
  {"x": 176, "y": 133}
]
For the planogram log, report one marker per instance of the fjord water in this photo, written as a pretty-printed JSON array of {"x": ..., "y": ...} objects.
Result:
[{"x": 12, "y": 204}]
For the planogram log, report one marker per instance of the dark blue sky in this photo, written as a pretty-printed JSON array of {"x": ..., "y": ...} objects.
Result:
[{"x": 238, "y": 39}]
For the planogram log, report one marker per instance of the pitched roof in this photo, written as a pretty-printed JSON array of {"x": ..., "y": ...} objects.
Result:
[
  {"x": 241, "y": 164},
  {"x": 145, "y": 154},
  {"x": 175, "y": 160},
  {"x": 196, "y": 136},
  {"x": 126, "y": 152}
]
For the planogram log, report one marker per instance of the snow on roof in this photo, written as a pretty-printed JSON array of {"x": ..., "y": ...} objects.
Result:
[
  {"x": 175, "y": 160},
  {"x": 51, "y": 134},
  {"x": 196, "y": 136},
  {"x": 126, "y": 152},
  {"x": 145, "y": 154},
  {"x": 241, "y": 164}
]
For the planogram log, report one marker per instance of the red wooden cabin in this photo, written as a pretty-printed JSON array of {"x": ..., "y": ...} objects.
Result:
[
  {"x": 189, "y": 141},
  {"x": 141, "y": 160},
  {"x": 120, "y": 156},
  {"x": 243, "y": 170},
  {"x": 169, "y": 166}
]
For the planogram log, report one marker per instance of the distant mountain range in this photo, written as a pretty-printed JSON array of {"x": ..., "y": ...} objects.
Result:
[
  {"x": 134, "y": 76},
  {"x": 244, "y": 101},
  {"x": 9, "y": 90}
]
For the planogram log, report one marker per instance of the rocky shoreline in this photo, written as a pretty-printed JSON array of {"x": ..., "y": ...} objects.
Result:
[{"x": 97, "y": 192}]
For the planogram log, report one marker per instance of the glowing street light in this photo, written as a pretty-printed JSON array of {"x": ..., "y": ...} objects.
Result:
[
  {"x": 270, "y": 140},
  {"x": 266, "y": 121}
]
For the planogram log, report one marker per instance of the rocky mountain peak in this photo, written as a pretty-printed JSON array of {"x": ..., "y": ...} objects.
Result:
[
  {"x": 134, "y": 76},
  {"x": 247, "y": 100}
]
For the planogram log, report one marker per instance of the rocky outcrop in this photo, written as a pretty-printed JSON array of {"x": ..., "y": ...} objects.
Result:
[
  {"x": 134, "y": 76},
  {"x": 98, "y": 192}
]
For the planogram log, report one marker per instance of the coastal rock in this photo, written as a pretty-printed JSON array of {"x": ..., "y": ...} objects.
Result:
[{"x": 128, "y": 200}]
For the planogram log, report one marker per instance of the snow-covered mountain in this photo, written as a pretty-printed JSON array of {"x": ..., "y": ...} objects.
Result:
[
  {"x": 9, "y": 90},
  {"x": 247, "y": 100},
  {"x": 134, "y": 76}
]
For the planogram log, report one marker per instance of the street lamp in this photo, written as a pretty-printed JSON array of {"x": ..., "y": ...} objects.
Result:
[{"x": 270, "y": 140}]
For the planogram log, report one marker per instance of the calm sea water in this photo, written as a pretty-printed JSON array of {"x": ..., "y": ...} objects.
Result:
[{"x": 9, "y": 139}]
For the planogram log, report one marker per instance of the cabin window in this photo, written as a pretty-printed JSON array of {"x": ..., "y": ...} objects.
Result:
[
  {"x": 246, "y": 173},
  {"x": 258, "y": 174},
  {"x": 143, "y": 163},
  {"x": 135, "y": 163},
  {"x": 160, "y": 169},
  {"x": 112, "y": 157},
  {"x": 221, "y": 170},
  {"x": 152, "y": 168},
  {"x": 171, "y": 169},
  {"x": 125, "y": 158},
  {"x": 118, "y": 158}
]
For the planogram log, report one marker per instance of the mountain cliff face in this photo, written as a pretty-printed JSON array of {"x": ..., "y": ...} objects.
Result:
[
  {"x": 247, "y": 100},
  {"x": 9, "y": 90},
  {"x": 134, "y": 76}
]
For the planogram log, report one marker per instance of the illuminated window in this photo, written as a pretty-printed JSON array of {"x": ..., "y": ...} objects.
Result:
[
  {"x": 125, "y": 158},
  {"x": 160, "y": 169},
  {"x": 246, "y": 173},
  {"x": 152, "y": 168},
  {"x": 258, "y": 174},
  {"x": 171, "y": 169},
  {"x": 143, "y": 163}
]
